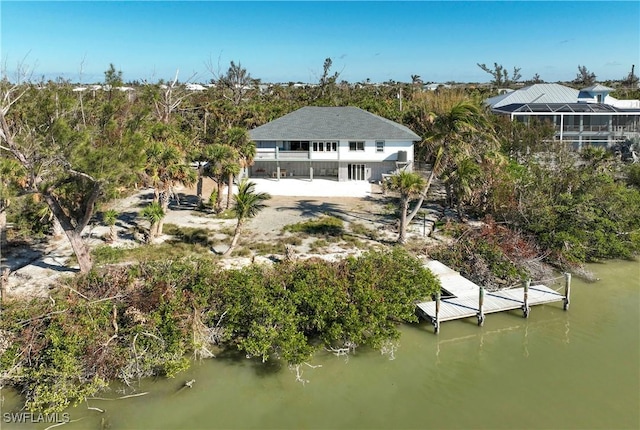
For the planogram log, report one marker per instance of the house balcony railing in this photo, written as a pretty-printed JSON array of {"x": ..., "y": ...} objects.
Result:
[
  {"x": 274, "y": 154},
  {"x": 589, "y": 128},
  {"x": 602, "y": 128}
]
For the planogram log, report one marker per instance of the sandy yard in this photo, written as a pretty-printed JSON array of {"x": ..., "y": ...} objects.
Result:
[{"x": 34, "y": 270}]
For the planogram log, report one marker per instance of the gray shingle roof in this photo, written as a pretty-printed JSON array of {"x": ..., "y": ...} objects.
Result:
[
  {"x": 537, "y": 93},
  {"x": 324, "y": 123}
]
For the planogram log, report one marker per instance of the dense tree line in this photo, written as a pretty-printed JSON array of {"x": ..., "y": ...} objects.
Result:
[{"x": 66, "y": 154}]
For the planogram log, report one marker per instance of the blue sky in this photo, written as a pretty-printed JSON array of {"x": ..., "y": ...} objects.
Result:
[{"x": 288, "y": 40}]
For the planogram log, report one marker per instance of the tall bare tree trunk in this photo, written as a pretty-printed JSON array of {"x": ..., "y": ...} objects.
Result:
[
  {"x": 219, "y": 194},
  {"x": 402, "y": 233},
  {"x": 164, "y": 204},
  {"x": 58, "y": 231},
  {"x": 3, "y": 228},
  {"x": 153, "y": 232},
  {"x": 74, "y": 233},
  {"x": 229, "y": 190},
  {"x": 81, "y": 250},
  {"x": 200, "y": 185}
]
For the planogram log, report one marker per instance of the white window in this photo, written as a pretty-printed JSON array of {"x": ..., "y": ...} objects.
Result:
[
  {"x": 379, "y": 145},
  {"x": 356, "y": 146},
  {"x": 325, "y": 146}
]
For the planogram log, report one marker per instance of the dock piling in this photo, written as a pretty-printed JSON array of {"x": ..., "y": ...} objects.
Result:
[
  {"x": 436, "y": 321},
  {"x": 567, "y": 291},
  {"x": 525, "y": 303},
  {"x": 480, "y": 303}
]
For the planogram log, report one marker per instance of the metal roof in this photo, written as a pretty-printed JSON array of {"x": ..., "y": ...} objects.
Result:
[
  {"x": 597, "y": 88},
  {"x": 324, "y": 123},
  {"x": 537, "y": 93},
  {"x": 561, "y": 108}
]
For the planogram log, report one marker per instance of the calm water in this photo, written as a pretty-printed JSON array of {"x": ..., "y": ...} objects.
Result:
[{"x": 557, "y": 370}]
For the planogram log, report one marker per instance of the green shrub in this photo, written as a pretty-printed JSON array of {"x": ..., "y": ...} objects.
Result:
[
  {"x": 188, "y": 234},
  {"x": 160, "y": 312},
  {"x": 326, "y": 225},
  {"x": 105, "y": 254},
  {"x": 362, "y": 230}
]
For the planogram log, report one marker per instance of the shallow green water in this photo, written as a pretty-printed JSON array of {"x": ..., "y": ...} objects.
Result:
[{"x": 556, "y": 370}]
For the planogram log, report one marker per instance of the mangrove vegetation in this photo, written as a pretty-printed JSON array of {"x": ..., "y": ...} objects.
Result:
[{"x": 131, "y": 322}]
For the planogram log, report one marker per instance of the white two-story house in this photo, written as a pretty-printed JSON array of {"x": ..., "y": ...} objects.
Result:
[{"x": 341, "y": 143}]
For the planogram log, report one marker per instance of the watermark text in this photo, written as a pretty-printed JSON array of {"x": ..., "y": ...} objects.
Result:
[{"x": 28, "y": 417}]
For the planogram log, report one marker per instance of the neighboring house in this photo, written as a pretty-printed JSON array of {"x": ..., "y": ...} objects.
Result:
[
  {"x": 342, "y": 143},
  {"x": 435, "y": 86},
  {"x": 194, "y": 87},
  {"x": 588, "y": 116}
]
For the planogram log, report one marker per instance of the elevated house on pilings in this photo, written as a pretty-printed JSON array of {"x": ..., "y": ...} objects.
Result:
[
  {"x": 589, "y": 116},
  {"x": 340, "y": 143}
]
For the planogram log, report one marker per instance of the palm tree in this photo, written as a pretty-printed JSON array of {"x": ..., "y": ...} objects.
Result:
[
  {"x": 166, "y": 165},
  {"x": 248, "y": 203},
  {"x": 462, "y": 180},
  {"x": 154, "y": 214},
  {"x": 409, "y": 185},
  {"x": 109, "y": 217},
  {"x": 221, "y": 162},
  {"x": 244, "y": 152},
  {"x": 458, "y": 139},
  {"x": 230, "y": 169}
]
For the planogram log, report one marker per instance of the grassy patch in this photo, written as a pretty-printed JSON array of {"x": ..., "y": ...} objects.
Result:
[
  {"x": 360, "y": 229},
  {"x": 353, "y": 241},
  {"x": 326, "y": 225},
  {"x": 188, "y": 234},
  {"x": 226, "y": 214},
  {"x": 105, "y": 254},
  {"x": 228, "y": 230},
  {"x": 163, "y": 251},
  {"x": 390, "y": 209},
  {"x": 263, "y": 248},
  {"x": 318, "y": 245},
  {"x": 167, "y": 251},
  {"x": 276, "y": 247},
  {"x": 241, "y": 252},
  {"x": 292, "y": 240}
]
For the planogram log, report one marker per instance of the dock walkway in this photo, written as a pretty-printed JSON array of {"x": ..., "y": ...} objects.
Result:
[{"x": 460, "y": 298}]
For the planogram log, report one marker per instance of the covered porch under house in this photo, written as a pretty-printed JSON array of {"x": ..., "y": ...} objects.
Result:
[{"x": 332, "y": 170}]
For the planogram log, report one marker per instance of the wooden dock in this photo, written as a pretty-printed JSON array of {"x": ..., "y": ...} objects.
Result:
[{"x": 461, "y": 298}]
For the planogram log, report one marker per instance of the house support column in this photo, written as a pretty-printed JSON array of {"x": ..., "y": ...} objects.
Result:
[
  {"x": 611, "y": 134},
  {"x": 581, "y": 131}
]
